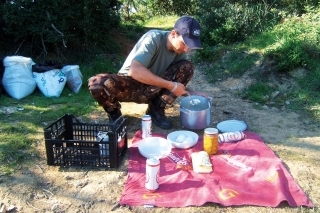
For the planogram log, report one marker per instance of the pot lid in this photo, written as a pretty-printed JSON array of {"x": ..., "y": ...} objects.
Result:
[
  {"x": 195, "y": 102},
  {"x": 231, "y": 126}
]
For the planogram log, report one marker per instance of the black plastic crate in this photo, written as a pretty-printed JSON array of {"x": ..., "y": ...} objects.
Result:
[{"x": 70, "y": 142}]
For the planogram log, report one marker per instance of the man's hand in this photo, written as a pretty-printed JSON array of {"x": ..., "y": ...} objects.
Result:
[{"x": 179, "y": 90}]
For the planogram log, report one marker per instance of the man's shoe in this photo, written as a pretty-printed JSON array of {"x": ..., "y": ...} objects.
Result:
[
  {"x": 158, "y": 117},
  {"x": 114, "y": 115}
]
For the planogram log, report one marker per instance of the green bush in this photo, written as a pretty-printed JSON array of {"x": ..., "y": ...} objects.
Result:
[
  {"x": 226, "y": 22},
  {"x": 59, "y": 26},
  {"x": 229, "y": 22},
  {"x": 288, "y": 56},
  {"x": 296, "y": 42}
]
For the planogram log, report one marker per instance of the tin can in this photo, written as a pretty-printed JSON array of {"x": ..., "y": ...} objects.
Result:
[
  {"x": 231, "y": 136},
  {"x": 146, "y": 126},
  {"x": 210, "y": 141},
  {"x": 103, "y": 147},
  {"x": 152, "y": 174}
]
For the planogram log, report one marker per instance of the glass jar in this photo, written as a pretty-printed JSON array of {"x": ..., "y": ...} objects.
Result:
[{"x": 211, "y": 141}]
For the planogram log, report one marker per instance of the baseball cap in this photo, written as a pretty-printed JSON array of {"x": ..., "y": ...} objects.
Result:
[{"x": 190, "y": 29}]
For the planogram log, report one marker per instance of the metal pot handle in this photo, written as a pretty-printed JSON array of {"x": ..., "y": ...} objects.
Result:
[{"x": 210, "y": 101}]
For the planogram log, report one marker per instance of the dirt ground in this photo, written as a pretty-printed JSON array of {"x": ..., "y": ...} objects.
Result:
[{"x": 295, "y": 139}]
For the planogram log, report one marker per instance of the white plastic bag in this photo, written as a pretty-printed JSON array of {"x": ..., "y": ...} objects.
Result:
[
  {"x": 50, "y": 83},
  {"x": 74, "y": 77},
  {"x": 17, "y": 78}
]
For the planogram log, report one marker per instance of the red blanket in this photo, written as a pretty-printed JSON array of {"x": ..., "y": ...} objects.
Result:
[{"x": 245, "y": 173}]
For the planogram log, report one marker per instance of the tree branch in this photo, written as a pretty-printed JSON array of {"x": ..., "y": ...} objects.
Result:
[{"x": 58, "y": 31}]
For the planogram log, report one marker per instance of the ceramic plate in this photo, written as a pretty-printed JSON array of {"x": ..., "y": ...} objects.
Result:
[{"x": 231, "y": 126}]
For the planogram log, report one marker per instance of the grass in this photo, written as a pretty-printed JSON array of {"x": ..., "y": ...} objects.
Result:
[{"x": 259, "y": 92}]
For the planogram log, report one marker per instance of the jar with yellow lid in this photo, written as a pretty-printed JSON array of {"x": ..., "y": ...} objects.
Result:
[{"x": 211, "y": 140}]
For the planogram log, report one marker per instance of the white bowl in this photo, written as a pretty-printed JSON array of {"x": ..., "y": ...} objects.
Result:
[
  {"x": 183, "y": 139},
  {"x": 154, "y": 147}
]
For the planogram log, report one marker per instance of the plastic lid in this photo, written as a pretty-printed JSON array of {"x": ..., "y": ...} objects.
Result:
[
  {"x": 211, "y": 131},
  {"x": 146, "y": 117}
]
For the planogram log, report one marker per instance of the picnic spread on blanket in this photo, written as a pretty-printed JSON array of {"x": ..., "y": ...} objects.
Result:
[{"x": 243, "y": 172}]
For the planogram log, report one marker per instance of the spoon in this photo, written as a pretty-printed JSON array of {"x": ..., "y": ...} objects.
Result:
[{"x": 190, "y": 98}]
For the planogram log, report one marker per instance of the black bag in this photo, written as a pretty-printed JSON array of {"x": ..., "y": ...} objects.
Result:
[{"x": 46, "y": 66}]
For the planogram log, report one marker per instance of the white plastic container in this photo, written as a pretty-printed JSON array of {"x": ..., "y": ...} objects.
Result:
[
  {"x": 231, "y": 136},
  {"x": 152, "y": 174},
  {"x": 146, "y": 125}
]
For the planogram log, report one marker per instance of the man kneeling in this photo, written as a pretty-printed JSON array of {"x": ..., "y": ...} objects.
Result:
[{"x": 156, "y": 72}]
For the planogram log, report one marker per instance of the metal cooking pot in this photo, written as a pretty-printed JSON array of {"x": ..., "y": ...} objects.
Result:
[{"x": 195, "y": 111}]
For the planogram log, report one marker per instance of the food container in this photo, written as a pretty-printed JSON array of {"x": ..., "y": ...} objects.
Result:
[
  {"x": 152, "y": 174},
  {"x": 231, "y": 136},
  {"x": 195, "y": 111},
  {"x": 146, "y": 126},
  {"x": 210, "y": 141},
  {"x": 183, "y": 139}
]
